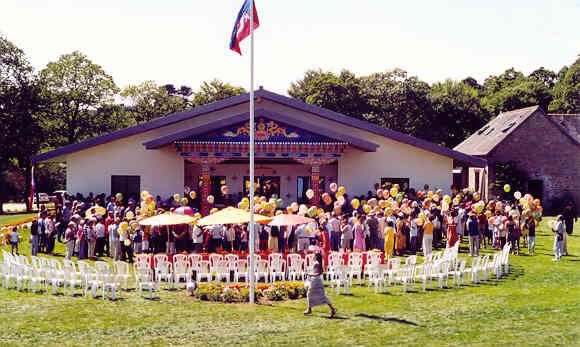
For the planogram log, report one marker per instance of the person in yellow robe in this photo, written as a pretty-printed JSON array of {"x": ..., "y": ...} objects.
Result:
[{"x": 389, "y": 240}]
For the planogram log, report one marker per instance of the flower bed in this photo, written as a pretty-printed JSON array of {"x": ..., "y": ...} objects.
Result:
[{"x": 240, "y": 292}]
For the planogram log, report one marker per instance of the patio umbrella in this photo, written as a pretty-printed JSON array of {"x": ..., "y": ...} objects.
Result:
[
  {"x": 231, "y": 215},
  {"x": 167, "y": 219},
  {"x": 184, "y": 210},
  {"x": 289, "y": 219},
  {"x": 98, "y": 210}
]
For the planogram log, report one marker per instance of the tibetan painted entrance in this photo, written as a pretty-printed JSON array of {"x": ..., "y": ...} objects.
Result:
[{"x": 275, "y": 142}]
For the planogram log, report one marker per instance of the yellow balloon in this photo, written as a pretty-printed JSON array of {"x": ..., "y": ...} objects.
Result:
[
  {"x": 342, "y": 190},
  {"x": 389, "y": 211},
  {"x": 355, "y": 203},
  {"x": 394, "y": 191},
  {"x": 507, "y": 188},
  {"x": 366, "y": 208}
]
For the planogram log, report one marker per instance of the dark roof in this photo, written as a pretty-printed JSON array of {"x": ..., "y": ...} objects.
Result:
[
  {"x": 493, "y": 133},
  {"x": 262, "y": 93},
  {"x": 316, "y": 128},
  {"x": 483, "y": 141}
]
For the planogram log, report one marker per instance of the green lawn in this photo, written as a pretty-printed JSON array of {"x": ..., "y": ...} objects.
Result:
[
  {"x": 537, "y": 304},
  {"x": 11, "y": 218}
]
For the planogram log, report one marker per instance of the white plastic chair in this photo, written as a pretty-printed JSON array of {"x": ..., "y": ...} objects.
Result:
[
  {"x": 342, "y": 279},
  {"x": 181, "y": 270},
  {"x": 144, "y": 280},
  {"x": 111, "y": 284},
  {"x": 376, "y": 277},
  {"x": 122, "y": 272},
  {"x": 241, "y": 270},
  {"x": 214, "y": 258},
  {"x": 355, "y": 262},
  {"x": 221, "y": 271},
  {"x": 261, "y": 270},
  {"x": 163, "y": 272},
  {"x": 295, "y": 267},
  {"x": 277, "y": 268},
  {"x": 204, "y": 271}
]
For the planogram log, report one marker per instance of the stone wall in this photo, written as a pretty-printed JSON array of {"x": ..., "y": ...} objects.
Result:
[{"x": 539, "y": 148}]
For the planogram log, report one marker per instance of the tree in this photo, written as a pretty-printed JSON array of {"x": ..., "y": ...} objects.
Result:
[
  {"x": 148, "y": 101},
  {"x": 74, "y": 87},
  {"x": 457, "y": 112},
  {"x": 214, "y": 90},
  {"x": 341, "y": 93},
  {"x": 20, "y": 135},
  {"x": 512, "y": 90},
  {"x": 547, "y": 77},
  {"x": 567, "y": 90},
  {"x": 399, "y": 102}
]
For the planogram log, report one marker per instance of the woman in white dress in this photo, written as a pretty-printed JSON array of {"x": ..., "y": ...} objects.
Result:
[{"x": 315, "y": 294}]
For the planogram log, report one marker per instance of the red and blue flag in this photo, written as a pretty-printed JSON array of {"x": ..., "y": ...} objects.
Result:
[{"x": 242, "y": 26}]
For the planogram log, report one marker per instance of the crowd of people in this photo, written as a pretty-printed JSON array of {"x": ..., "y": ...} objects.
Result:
[{"x": 387, "y": 220}]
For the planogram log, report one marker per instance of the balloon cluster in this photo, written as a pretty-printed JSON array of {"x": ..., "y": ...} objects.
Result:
[{"x": 147, "y": 204}]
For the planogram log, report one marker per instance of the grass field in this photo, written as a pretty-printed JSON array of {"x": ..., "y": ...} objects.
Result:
[
  {"x": 14, "y": 218},
  {"x": 537, "y": 304}
]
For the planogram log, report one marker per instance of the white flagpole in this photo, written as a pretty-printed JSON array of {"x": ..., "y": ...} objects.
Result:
[{"x": 252, "y": 261}]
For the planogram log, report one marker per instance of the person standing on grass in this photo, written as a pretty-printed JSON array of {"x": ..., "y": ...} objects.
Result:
[
  {"x": 389, "y": 239},
  {"x": 50, "y": 233},
  {"x": 346, "y": 235},
  {"x": 14, "y": 240},
  {"x": 558, "y": 238},
  {"x": 473, "y": 232},
  {"x": 428, "y": 235},
  {"x": 531, "y": 226},
  {"x": 570, "y": 216},
  {"x": 70, "y": 239},
  {"x": 315, "y": 294},
  {"x": 34, "y": 238},
  {"x": 100, "y": 238},
  {"x": 91, "y": 237}
]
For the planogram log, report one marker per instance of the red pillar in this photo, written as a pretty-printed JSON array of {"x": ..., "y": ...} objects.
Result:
[
  {"x": 205, "y": 187},
  {"x": 315, "y": 182}
]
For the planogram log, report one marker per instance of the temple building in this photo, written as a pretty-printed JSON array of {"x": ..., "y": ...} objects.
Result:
[{"x": 298, "y": 146}]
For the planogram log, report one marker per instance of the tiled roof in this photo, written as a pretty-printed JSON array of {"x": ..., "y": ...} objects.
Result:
[{"x": 493, "y": 133}]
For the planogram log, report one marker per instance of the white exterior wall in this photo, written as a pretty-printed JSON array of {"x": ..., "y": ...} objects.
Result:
[
  {"x": 358, "y": 171},
  {"x": 162, "y": 170}
]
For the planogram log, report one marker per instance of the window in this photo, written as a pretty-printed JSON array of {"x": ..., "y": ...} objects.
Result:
[
  {"x": 263, "y": 186},
  {"x": 388, "y": 182},
  {"x": 303, "y": 184},
  {"x": 129, "y": 186},
  {"x": 216, "y": 188},
  {"x": 477, "y": 178}
]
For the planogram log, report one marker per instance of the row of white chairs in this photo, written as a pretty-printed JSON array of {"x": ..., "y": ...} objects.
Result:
[
  {"x": 41, "y": 274},
  {"x": 225, "y": 267},
  {"x": 440, "y": 269}
]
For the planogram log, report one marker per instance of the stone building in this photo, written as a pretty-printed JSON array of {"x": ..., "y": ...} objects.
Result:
[{"x": 545, "y": 147}]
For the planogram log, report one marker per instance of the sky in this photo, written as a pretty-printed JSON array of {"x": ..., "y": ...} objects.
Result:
[{"x": 186, "y": 42}]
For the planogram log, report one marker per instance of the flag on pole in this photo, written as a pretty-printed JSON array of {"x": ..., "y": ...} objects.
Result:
[
  {"x": 32, "y": 189},
  {"x": 242, "y": 25}
]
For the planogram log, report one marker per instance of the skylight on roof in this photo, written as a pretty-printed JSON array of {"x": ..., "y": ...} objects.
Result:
[{"x": 508, "y": 127}]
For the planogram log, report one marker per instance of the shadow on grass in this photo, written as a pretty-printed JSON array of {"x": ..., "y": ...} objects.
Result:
[{"x": 387, "y": 319}]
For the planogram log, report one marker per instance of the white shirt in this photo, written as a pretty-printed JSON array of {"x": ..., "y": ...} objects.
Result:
[{"x": 100, "y": 230}]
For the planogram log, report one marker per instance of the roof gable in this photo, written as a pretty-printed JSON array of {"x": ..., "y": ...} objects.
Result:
[{"x": 234, "y": 129}]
